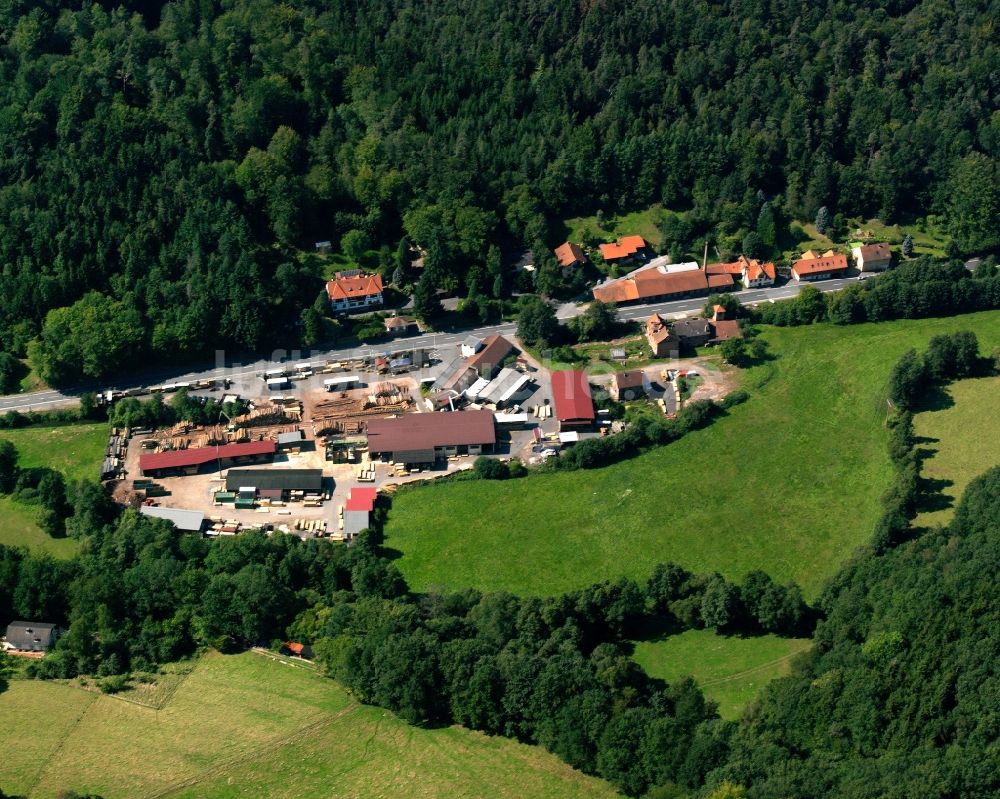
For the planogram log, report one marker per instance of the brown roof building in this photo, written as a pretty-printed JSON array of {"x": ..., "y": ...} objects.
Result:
[
  {"x": 813, "y": 266},
  {"x": 626, "y": 248},
  {"x": 725, "y": 329},
  {"x": 570, "y": 256},
  {"x": 628, "y": 385},
  {"x": 355, "y": 290},
  {"x": 660, "y": 338},
  {"x": 648, "y": 285},
  {"x": 872, "y": 257},
  {"x": 422, "y": 438},
  {"x": 489, "y": 359}
]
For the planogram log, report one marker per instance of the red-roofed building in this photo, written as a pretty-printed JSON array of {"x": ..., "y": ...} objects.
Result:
[
  {"x": 758, "y": 273},
  {"x": 813, "y": 266},
  {"x": 354, "y": 291},
  {"x": 298, "y": 650},
  {"x": 570, "y": 257},
  {"x": 154, "y": 464},
  {"x": 358, "y": 508},
  {"x": 627, "y": 248},
  {"x": 573, "y": 401},
  {"x": 653, "y": 284}
]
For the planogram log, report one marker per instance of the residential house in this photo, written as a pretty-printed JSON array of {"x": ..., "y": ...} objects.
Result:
[
  {"x": 693, "y": 332},
  {"x": 656, "y": 284},
  {"x": 660, "y": 337},
  {"x": 570, "y": 257},
  {"x": 757, "y": 274},
  {"x": 734, "y": 268},
  {"x": 574, "y": 405},
  {"x": 29, "y": 637},
  {"x": 629, "y": 385},
  {"x": 872, "y": 257},
  {"x": 354, "y": 291},
  {"x": 627, "y": 248},
  {"x": 813, "y": 266}
]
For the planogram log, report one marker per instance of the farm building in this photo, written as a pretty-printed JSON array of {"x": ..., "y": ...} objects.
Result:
[
  {"x": 190, "y": 521},
  {"x": 574, "y": 404},
  {"x": 275, "y": 483},
  {"x": 629, "y": 385},
  {"x": 29, "y": 637},
  {"x": 160, "y": 463},
  {"x": 424, "y": 438},
  {"x": 358, "y": 510}
]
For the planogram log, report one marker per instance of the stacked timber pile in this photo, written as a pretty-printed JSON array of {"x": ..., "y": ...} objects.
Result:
[{"x": 266, "y": 416}]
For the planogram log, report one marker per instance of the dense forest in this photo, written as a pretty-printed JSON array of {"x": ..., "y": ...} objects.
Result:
[{"x": 164, "y": 165}]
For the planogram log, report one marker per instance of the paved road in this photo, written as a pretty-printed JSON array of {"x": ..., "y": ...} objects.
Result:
[{"x": 241, "y": 373}]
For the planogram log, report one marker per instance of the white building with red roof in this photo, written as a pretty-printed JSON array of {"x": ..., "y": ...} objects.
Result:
[{"x": 354, "y": 291}]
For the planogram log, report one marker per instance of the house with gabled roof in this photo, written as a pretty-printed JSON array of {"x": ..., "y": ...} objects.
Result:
[
  {"x": 354, "y": 291},
  {"x": 660, "y": 337},
  {"x": 872, "y": 257},
  {"x": 29, "y": 637},
  {"x": 627, "y": 248},
  {"x": 813, "y": 266},
  {"x": 570, "y": 257}
]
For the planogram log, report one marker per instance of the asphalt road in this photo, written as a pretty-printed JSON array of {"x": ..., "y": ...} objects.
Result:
[{"x": 241, "y": 373}]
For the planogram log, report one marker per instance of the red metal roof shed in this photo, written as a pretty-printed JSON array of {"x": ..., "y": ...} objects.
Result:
[
  {"x": 179, "y": 458},
  {"x": 571, "y": 394}
]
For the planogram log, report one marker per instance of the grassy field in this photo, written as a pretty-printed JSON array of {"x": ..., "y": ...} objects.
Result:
[
  {"x": 253, "y": 726},
  {"x": 76, "y": 449},
  {"x": 645, "y": 223},
  {"x": 789, "y": 483},
  {"x": 20, "y": 528},
  {"x": 962, "y": 445},
  {"x": 729, "y": 670}
]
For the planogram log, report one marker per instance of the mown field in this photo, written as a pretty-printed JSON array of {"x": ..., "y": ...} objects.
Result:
[
  {"x": 253, "y": 726},
  {"x": 730, "y": 670},
  {"x": 789, "y": 483},
  {"x": 77, "y": 451},
  {"x": 963, "y": 441},
  {"x": 74, "y": 449}
]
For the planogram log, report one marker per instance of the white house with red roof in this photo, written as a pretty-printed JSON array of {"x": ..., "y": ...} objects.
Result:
[{"x": 354, "y": 291}]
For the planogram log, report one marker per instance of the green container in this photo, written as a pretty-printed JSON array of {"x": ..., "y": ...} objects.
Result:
[
  {"x": 225, "y": 496},
  {"x": 244, "y": 504}
]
